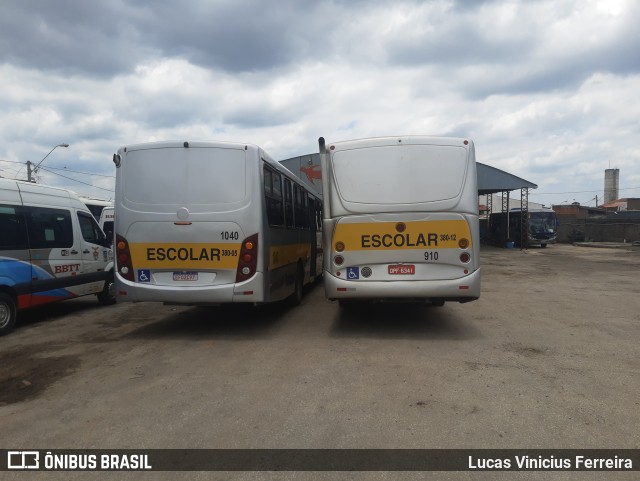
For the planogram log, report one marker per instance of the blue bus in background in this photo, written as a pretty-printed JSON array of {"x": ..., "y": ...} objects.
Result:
[{"x": 542, "y": 227}]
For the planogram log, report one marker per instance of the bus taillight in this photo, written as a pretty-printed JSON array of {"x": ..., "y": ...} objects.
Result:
[
  {"x": 248, "y": 261},
  {"x": 123, "y": 258}
]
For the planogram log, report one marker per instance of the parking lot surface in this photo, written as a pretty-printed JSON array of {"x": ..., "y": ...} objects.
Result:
[{"x": 547, "y": 358}]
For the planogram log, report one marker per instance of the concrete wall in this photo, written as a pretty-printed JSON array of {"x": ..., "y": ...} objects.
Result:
[{"x": 598, "y": 230}]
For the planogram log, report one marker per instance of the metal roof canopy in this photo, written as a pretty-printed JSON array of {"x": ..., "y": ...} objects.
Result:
[{"x": 492, "y": 180}]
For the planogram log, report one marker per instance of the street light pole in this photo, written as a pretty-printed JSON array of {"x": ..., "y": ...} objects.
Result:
[{"x": 33, "y": 170}]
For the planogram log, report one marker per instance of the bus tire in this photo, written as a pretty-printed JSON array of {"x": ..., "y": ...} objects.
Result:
[
  {"x": 107, "y": 297},
  {"x": 296, "y": 298},
  {"x": 7, "y": 313}
]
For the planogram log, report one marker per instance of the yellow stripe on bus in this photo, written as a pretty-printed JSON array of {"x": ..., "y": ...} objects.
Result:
[
  {"x": 185, "y": 256},
  {"x": 440, "y": 234},
  {"x": 282, "y": 255}
]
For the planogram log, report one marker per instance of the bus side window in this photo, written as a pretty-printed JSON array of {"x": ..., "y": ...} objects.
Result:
[
  {"x": 288, "y": 203},
  {"x": 273, "y": 197},
  {"x": 318, "y": 219},
  {"x": 310, "y": 208},
  {"x": 300, "y": 214}
]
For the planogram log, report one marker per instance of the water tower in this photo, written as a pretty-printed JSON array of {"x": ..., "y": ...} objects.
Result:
[{"x": 611, "y": 184}]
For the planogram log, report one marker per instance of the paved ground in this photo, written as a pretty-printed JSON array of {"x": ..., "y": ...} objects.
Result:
[{"x": 547, "y": 358}]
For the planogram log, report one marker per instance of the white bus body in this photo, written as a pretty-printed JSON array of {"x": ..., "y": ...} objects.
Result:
[
  {"x": 200, "y": 223},
  {"x": 401, "y": 219},
  {"x": 96, "y": 206}
]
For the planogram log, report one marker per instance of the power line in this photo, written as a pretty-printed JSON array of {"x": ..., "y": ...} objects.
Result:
[
  {"x": 16, "y": 171},
  {"x": 64, "y": 169},
  {"x": 578, "y": 191},
  {"x": 80, "y": 172},
  {"x": 75, "y": 180}
]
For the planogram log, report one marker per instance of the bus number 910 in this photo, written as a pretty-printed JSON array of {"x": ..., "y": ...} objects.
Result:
[{"x": 431, "y": 256}]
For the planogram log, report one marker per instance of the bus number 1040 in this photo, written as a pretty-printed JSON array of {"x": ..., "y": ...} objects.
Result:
[{"x": 229, "y": 235}]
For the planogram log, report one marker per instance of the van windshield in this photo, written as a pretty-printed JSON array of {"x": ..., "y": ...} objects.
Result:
[
  {"x": 206, "y": 176},
  {"x": 391, "y": 175}
]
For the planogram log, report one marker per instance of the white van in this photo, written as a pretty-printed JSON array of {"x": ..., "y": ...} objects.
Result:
[{"x": 51, "y": 249}]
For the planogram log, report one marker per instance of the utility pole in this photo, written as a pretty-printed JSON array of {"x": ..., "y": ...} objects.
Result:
[
  {"x": 29, "y": 171},
  {"x": 32, "y": 170}
]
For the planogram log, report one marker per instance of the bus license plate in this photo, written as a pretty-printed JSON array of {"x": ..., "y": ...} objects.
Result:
[
  {"x": 185, "y": 276},
  {"x": 404, "y": 269}
]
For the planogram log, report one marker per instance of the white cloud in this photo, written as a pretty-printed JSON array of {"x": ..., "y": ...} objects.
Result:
[{"x": 546, "y": 89}]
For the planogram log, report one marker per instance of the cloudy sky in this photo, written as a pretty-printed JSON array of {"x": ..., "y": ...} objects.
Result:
[{"x": 549, "y": 90}]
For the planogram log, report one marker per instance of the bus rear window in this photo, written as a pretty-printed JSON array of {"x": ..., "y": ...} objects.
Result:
[
  {"x": 207, "y": 176},
  {"x": 392, "y": 175}
]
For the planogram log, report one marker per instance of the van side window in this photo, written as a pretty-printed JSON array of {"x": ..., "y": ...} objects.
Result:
[
  {"x": 90, "y": 230},
  {"x": 49, "y": 228},
  {"x": 13, "y": 229}
]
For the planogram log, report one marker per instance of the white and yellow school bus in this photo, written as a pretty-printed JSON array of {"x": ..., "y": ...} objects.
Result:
[
  {"x": 202, "y": 223},
  {"x": 401, "y": 219}
]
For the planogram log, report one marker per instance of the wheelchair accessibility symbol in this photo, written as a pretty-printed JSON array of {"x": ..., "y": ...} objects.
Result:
[
  {"x": 353, "y": 273},
  {"x": 144, "y": 275}
]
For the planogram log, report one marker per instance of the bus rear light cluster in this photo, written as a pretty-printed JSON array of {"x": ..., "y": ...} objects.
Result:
[
  {"x": 463, "y": 243},
  {"x": 248, "y": 261},
  {"x": 465, "y": 257},
  {"x": 339, "y": 246},
  {"x": 339, "y": 260},
  {"x": 123, "y": 258}
]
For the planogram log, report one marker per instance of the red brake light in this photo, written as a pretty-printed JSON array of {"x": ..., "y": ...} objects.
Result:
[
  {"x": 248, "y": 261},
  {"x": 124, "y": 265}
]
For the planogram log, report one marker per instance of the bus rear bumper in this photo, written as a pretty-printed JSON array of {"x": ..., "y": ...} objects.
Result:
[
  {"x": 248, "y": 291},
  {"x": 464, "y": 289}
]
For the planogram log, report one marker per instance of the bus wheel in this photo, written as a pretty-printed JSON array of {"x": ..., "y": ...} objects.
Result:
[
  {"x": 7, "y": 314},
  {"x": 108, "y": 294},
  {"x": 296, "y": 297}
]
